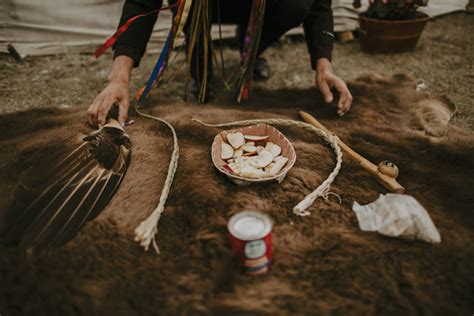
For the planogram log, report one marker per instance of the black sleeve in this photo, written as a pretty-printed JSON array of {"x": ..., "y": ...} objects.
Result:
[
  {"x": 133, "y": 41},
  {"x": 319, "y": 31}
]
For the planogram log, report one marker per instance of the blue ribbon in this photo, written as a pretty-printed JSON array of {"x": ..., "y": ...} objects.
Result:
[{"x": 159, "y": 67}]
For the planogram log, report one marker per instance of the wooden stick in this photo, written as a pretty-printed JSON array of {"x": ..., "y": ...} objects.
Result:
[{"x": 386, "y": 172}]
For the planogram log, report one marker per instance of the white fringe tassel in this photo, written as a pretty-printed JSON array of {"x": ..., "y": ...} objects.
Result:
[{"x": 145, "y": 233}]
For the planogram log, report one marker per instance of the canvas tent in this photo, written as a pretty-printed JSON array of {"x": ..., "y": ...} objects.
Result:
[{"x": 52, "y": 26}]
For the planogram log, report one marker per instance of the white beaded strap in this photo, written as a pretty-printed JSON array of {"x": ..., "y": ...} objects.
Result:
[
  {"x": 145, "y": 233},
  {"x": 323, "y": 190}
]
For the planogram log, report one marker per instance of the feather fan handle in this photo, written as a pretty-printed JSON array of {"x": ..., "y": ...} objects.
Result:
[{"x": 146, "y": 231}]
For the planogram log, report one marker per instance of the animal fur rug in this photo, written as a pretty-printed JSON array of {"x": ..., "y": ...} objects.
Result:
[{"x": 323, "y": 263}]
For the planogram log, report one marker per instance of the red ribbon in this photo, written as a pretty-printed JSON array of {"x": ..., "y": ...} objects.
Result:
[{"x": 111, "y": 40}]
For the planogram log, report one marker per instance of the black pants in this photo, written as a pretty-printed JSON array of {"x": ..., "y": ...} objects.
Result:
[{"x": 280, "y": 17}]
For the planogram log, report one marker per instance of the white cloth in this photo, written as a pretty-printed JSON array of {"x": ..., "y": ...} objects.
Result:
[{"x": 397, "y": 215}]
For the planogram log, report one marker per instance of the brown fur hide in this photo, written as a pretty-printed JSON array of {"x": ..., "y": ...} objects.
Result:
[{"x": 323, "y": 262}]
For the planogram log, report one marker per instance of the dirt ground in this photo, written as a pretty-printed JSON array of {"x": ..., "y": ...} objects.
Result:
[{"x": 443, "y": 60}]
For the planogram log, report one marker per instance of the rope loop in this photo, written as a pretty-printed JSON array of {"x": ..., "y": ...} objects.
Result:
[
  {"x": 323, "y": 190},
  {"x": 146, "y": 232}
]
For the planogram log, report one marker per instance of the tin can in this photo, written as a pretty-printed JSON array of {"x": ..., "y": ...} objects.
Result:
[{"x": 251, "y": 238}]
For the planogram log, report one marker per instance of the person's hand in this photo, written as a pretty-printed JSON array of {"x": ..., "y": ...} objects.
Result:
[
  {"x": 326, "y": 80},
  {"x": 116, "y": 92}
]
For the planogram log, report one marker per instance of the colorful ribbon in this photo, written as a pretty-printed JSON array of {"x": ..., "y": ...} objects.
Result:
[
  {"x": 178, "y": 23},
  {"x": 113, "y": 39},
  {"x": 157, "y": 70},
  {"x": 249, "y": 52},
  {"x": 250, "y": 49}
]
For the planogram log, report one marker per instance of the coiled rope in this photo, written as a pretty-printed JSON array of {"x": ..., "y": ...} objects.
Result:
[
  {"x": 145, "y": 233},
  {"x": 323, "y": 190}
]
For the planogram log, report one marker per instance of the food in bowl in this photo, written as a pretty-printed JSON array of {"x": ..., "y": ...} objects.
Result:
[{"x": 251, "y": 156}]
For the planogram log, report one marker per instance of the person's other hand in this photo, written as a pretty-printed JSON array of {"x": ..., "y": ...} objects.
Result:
[
  {"x": 326, "y": 80},
  {"x": 114, "y": 93}
]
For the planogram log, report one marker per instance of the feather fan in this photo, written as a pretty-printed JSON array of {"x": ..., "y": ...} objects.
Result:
[{"x": 80, "y": 187}]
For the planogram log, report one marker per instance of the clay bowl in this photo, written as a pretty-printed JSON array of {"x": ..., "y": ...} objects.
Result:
[{"x": 274, "y": 136}]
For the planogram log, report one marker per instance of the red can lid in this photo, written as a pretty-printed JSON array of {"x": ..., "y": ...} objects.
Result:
[{"x": 250, "y": 225}]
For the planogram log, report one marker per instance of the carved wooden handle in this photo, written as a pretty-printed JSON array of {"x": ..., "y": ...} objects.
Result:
[{"x": 386, "y": 172}]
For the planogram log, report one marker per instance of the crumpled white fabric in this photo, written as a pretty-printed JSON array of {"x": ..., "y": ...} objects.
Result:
[{"x": 397, "y": 215}]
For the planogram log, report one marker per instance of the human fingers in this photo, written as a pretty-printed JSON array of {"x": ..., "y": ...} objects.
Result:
[
  {"x": 345, "y": 99},
  {"x": 124, "y": 105},
  {"x": 348, "y": 103},
  {"x": 92, "y": 111},
  {"x": 325, "y": 89},
  {"x": 104, "y": 109}
]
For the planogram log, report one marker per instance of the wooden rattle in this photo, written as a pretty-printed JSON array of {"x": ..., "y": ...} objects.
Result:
[{"x": 386, "y": 172}]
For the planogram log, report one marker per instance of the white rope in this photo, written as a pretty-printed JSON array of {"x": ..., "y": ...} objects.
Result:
[
  {"x": 323, "y": 190},
  {"x": 145, "y": 233}
]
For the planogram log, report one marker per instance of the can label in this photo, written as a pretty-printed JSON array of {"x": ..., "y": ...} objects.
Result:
[
  {"x": 256, "y": 259},
  {"x": 251, "y": 238},
  {"x": 255, "y": 249}
]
